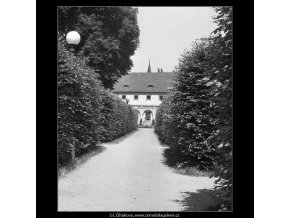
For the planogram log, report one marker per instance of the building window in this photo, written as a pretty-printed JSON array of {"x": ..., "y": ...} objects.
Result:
[
  {"x": 148, "y": 97},
  {"x": 123, "y": 96},
  {"x": 160, "y": 97},
  {"x": 135, "y": 97}
]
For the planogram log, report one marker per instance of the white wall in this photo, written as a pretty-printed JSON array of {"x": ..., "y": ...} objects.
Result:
[
  {"x": 142, "y": 100},
  {"x": 141, "y": 115}
]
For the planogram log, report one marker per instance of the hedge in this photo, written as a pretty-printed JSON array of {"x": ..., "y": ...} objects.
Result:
[
  {"x": 195, "y": 123},
  {"x": 87, "y": 113},
  {"x": 195, "y": 120},
  {"x": 117, "y": 117},
  {"x": 184, "y": 119}
]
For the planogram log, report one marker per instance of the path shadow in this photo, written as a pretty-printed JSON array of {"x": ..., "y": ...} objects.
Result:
[
  {"x": 202, "y": 200},
  {"x": 170, "y": 157},
  {"x": 80, "y": 161}
]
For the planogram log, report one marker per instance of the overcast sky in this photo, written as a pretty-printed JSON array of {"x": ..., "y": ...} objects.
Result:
[{"x": 166, "y": 31}]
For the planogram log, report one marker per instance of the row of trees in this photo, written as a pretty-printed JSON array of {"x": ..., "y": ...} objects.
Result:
[
  {"x": 195, "y": 119},
  {"x": 88, "y": 113}
]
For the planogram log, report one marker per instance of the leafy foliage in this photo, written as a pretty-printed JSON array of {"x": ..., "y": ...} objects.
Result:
[
  {"x": 84, "y": 118},
  {"x": 195, "y": 120},
  {"x": 188, "y": 111},
  {"x": 109, "y": 36},
  {"x": 221, "y": 138},
  {"x": 118, "y": 118}
]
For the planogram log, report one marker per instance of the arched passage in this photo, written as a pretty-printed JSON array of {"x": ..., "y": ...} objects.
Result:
[{"x": 148, "y": 116}]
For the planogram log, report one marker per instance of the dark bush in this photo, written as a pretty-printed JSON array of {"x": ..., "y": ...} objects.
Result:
[
  {"x": 87, "y": 113},
  {"x": 118, "y": 118},
  {"x": 195, "y": 120}
]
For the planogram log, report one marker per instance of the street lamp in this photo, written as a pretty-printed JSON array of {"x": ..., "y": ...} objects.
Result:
[{"x": 73, "y": 38}]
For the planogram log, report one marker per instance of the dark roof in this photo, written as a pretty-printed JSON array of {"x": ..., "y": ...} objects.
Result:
[{"x": 139, "y": 82}]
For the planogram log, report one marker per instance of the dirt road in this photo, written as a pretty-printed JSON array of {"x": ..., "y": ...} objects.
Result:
[{"x": 130, "y": 176}]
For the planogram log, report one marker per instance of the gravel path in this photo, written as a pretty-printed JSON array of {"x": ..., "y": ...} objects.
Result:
[{"x": 130, "y": 176}]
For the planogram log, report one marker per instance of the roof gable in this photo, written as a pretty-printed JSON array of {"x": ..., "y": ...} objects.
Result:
[{"x": 144, "y": 82}]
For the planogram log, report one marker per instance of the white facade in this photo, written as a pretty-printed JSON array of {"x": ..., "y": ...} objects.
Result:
[
  {"x": 144, "y": 105},
  {"x": 142, "y": 91},
  {"x": 142, "y": 99}
]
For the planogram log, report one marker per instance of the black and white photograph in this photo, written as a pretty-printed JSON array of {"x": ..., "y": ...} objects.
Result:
[{"x": 144, "y": 109}]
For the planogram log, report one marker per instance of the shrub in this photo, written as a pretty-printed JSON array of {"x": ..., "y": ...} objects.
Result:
[
  {"x": 196, "y": 118},
  {"x": 118, "y": 118},
  {"x": 185, "y": 121},
  {"x": 87, "y": 113}
]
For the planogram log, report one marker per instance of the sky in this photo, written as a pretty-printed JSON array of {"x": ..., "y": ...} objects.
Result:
[{"x": 165, "y": 32}]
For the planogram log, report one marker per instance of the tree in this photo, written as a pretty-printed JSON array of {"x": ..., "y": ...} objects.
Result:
[
  {"x": 221, "y": 99},
  {"x": 109, "y": 37},
  {"x": 87, "y": 113},
  {"x": 195, "y": 120},
  {"x": 190, "y": 100},
  {"x": 78, "y": 104}
]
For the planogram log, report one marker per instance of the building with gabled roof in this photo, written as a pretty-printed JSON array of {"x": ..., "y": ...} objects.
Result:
[{"x": 144, "y": 91}]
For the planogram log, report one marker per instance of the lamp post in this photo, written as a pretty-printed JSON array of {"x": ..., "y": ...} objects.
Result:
[{"x": 73, "y": 38}]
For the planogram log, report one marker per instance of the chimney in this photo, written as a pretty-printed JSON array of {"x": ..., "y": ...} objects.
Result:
[
  {"x": 161, "y": 70},
  {"x": 158, "y": 70}
]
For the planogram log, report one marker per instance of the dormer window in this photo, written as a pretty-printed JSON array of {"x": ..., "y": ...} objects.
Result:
[
  {"x": 150, "y": 86},
  {"x": 125, "y": 85}
]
